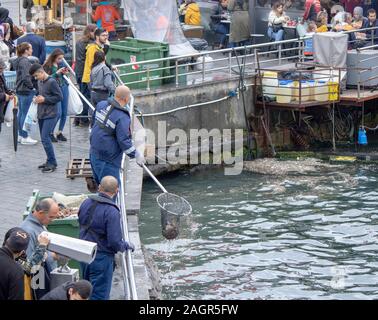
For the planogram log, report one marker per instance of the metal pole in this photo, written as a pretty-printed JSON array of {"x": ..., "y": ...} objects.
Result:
[
  {"x": 148, "y": 79},
  {"x": 230, "y": 63},
  {"x": 279, "y": 53},
  {"x": 203, "y": 68},
  {"x": 177, "y": 73}
]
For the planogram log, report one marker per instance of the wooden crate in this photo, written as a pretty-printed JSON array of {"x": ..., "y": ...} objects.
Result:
[{"x": 79, "y": 168}]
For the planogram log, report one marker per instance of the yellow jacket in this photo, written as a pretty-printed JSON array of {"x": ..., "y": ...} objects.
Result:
[
  {"x": 40, "y": 2},
  {"x": 322, "y": 28},
  {"x": 92, "y": 48},
  {"x": 193, "y": 14}
]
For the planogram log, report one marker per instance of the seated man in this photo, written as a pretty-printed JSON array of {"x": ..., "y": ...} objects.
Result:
[{"x": 371, "y": 35}]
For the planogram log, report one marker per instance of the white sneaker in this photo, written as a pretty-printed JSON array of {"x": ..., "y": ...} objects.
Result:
[
  {"x": 8, "y": 124},
  {"x": 28, "y": 141},
  {"x": 19, "y": 139}
]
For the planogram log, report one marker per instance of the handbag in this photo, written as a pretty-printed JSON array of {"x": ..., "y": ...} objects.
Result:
[{"x": 277, "y": 27}]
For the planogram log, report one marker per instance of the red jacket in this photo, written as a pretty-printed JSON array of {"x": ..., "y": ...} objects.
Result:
[
  {"x": 107, "y": 14},
  {"x": 312, "y": 8}
]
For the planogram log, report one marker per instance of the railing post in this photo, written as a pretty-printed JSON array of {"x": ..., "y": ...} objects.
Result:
[
  {"x": 230, "y": 63},
  {"x": 279, "y": 53},
  {"x": 148, "y": 79},
  {"x": 255, "y": 53},
  {"x": 203, "y": 68},
  {"x": 372, "y": 37},
  {"x": 177, "y": 73}
]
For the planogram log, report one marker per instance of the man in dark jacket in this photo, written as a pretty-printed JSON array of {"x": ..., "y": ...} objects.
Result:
[
  {"x": 371, "y": 22},
  {"x": 99, "y": 220},
  {"x": 79, "y": 290},
  {"x": 5, "y": 94},
  {"x": 12, "y": 275},
  {"x": 37, "y": 42},
  {"x": 49, "y": 95},
  {"x": 111, "y": 136}
]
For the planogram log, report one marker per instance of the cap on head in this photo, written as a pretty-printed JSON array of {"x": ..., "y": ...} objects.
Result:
[{"x": 17, "y": 239}]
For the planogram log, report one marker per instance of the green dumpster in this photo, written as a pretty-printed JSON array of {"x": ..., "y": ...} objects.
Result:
[
  {"x": 170, "y": 74},
  {"x": 134, "y": 50},
  {"x": 67, "y": 227}
]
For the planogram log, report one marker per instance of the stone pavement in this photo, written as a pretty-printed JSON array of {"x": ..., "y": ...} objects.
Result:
[{"x": 19, "y": 174}]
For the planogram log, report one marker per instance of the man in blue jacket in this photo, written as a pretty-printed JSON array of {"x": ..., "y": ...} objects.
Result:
[
  {"x": 99, "y": 220},
  {"x": 37, "y": 42},
  {"x": 371, "y": 22},
  {"x": 111, "y": 136}
]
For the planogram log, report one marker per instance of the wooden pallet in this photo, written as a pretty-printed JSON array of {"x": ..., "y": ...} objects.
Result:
[{"x": 79, "y": 168}]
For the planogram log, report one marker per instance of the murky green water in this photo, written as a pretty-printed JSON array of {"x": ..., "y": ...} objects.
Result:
[{"x": 309, "y": 236}]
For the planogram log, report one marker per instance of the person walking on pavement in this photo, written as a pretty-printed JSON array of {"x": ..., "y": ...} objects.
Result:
[
  {"x": 37, "y": 42},
  {"x": 101, "y": 37},
  {"x": 25, "y": 89},
  {"x": 12, "y": 275},
  {"x": 99, "y": 220},
  {"x": 55, "y": 68},
  {"x": 6, "y": 95},
  {"x": 111, "y": 136},
  {"x": 81, "y": 49},
  {"x": 35, "y": 223},
  {"x": 49, "y": 96},
  {"x": 102, "y": 85}
]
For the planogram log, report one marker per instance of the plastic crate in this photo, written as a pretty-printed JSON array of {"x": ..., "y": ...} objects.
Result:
[
  {"x": 10, "y": 79},
  {"x": 66, "y": 227},
  {"x": 134, "y": 50}
]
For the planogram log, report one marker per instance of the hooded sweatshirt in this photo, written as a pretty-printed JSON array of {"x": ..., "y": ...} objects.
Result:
[
  {"x": 193, "y": 15},
  {"x": 24, "y": 82},
  {"x": 101, "y": 79},
  {"x": 59, "y": 293}
]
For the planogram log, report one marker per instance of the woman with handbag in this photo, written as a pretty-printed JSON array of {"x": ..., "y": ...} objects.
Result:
[
  {"x": 277, "y": 18},
  {"x": 53, "y": 67}
]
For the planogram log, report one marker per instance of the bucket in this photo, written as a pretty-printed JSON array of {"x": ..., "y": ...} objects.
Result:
[
  {"x": 311, "y": 85},
  {"x": 321, "y": 91},
  {"x": 55, "y": 44},
  {"x": 301, "y": 92},
  {"x": 270, "y": 84},
  {"x": 333, "y": 90},
  {"x": 284, "y": 91}
]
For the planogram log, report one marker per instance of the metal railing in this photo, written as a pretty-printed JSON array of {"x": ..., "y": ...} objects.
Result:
[
  {"x": 194, "y": 68},
  {"x": 127, "y": 261}
]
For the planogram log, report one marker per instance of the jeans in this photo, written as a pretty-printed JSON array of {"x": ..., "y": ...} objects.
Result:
[
  {"x": 222, "y": 29},
  {"x": 276, "y": 36},
  {"x": 46, "y": 126},
  {"x": 62, "y": 109},
  {"x": 86, "y": 92},
  {"x": 102, "y": 169},
  {"x": 100, "y": 274},
  {"x": 238, "y": 44},
  {"x": 24, "y": 102}
]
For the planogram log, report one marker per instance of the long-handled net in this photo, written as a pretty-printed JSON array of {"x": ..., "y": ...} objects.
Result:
[{"x": 172, "y": 208}]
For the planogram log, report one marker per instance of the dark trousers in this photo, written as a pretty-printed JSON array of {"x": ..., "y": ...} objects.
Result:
[
  {"x": 86, "y": 92},
  {"x": 112, "y": 35},
  {"x": 222, "y": 30},
  {"x": 100, "y": 274},
  {"x": 102, "y": 169},
  {"x": 46, "y": 126}
]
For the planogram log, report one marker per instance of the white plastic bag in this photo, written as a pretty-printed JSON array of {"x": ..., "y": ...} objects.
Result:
[
  {"x": 31, "y": 118},
  {"x": 75, "y": 105},
  {"x": 8, "y": 117}
]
